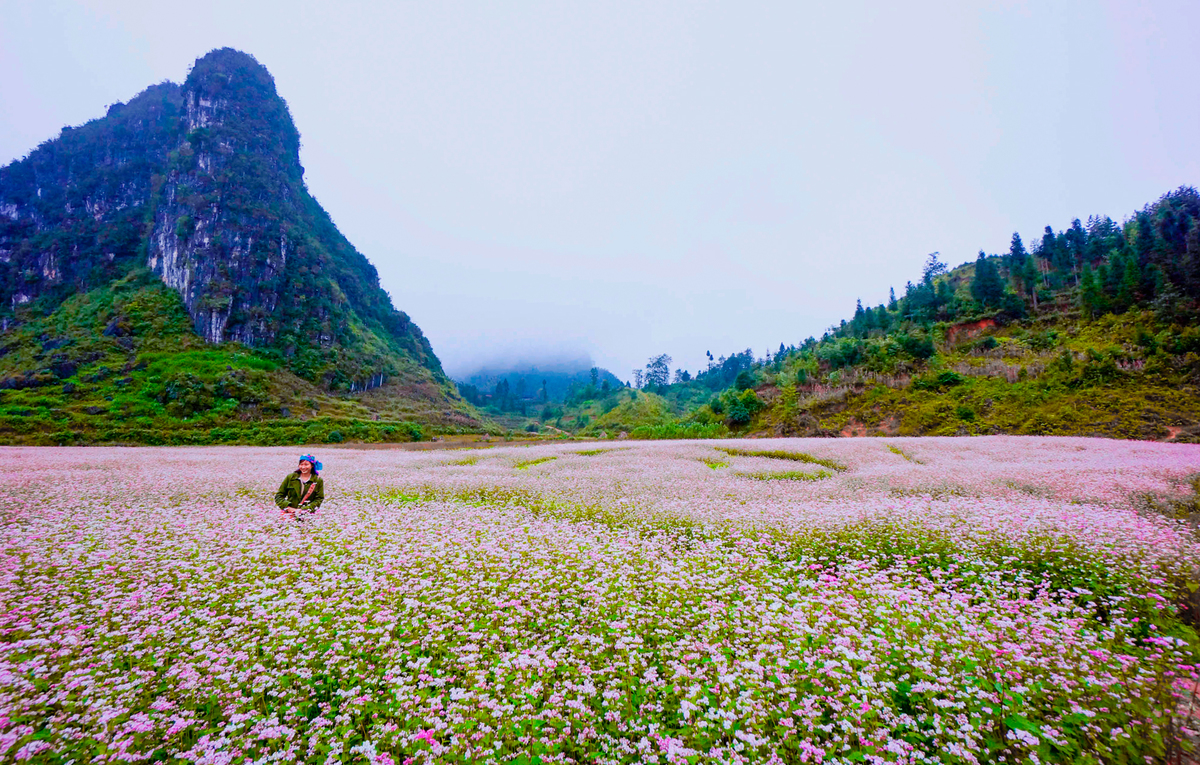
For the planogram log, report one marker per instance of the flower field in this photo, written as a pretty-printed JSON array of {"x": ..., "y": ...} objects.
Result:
[{"x": 839, "y": 601}]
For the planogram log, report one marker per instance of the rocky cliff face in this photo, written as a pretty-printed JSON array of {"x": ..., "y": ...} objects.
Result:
[
  {"x": 219, "y": 233},
  {"x": 202, "y": 184},
  {"x": 72, "y": 213}
]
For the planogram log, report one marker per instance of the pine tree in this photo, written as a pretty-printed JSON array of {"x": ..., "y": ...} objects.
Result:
[
  {"x": 934, "y": 267},
  {"x": 1076, "y": 247},
  {"x": 891, "y": 306},
  {"x": 1016, "y": 258},
  {"x": 1190, "y": 266},
  {"x": 1131, "y": 282},
  {"x": 1143, "y": 240},
  {"x": 883, "y": 319},
  {"x": 1029, "y": 278},
  {"x": 1158, "y": 278},
  {"x": 1091, "y": 298},
  {"x": 1048, "y": 251},
  {"x": 986, "y": 287},
  {"x": 943, "y": 295},
  {"x": 1103, "y": 236},
  {"x": 1114, "y": 273}
]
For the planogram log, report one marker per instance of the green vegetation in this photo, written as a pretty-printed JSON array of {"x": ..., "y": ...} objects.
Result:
[
  {"x": 782, "y": 455},
  {"x": 527, "y": 390},
  {"x": 96, "y": 348},
  {"x": 672, "y": 430},
  {"x": 587, "y": 402},
  {"x": 625, "y": 410},
  {"x": 1091, "y": 331},
  {"x": 121, "y": 364},
  {"x": 897, "y": 450},
  {"x": 791, "y": 475},
  {"x": 1058, "y": 377},
  {"x": 526, "y": 464}
]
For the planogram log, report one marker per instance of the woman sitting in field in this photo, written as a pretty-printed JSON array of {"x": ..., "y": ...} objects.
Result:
[{"x": 303, "y": 489}]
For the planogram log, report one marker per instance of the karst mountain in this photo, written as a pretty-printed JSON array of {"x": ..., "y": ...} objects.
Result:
[{"x": 180, "y": 223}]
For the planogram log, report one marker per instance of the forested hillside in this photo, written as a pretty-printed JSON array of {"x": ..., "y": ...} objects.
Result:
[
  {"x": 1091, "y": 329},
  {"x": 516, "y": 389}
]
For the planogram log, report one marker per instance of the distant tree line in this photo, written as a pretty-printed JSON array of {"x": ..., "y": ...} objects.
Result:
[
  {"x": 521, "y": 391},
  {"x": 1152, "y": 261}
]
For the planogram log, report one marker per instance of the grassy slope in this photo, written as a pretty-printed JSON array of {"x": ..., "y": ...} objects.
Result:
[
  {"x": 122, "y": 364},
  {"x": 634, "y": 409},
  {"x": 610, "y": 413},
  {"x": 1062, "y": 376},
  {"x": 614, "y": 411}
]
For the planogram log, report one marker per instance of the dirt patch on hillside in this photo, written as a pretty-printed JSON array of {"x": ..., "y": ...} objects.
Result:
[{"x": 969, "y": 329}]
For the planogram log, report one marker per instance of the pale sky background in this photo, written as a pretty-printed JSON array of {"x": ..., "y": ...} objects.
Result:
[{"x": 627, "y": 179}]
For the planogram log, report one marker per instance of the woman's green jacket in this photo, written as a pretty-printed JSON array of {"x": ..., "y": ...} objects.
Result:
[{"x": 290, "y": 493}]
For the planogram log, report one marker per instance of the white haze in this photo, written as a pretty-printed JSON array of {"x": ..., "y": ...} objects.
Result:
[
  {"x": 626, "y": 179},
  {"x": 519, "y": 359}
]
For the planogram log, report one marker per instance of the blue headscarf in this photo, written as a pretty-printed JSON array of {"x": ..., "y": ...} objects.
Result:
[{"x": 317, "y": 466}]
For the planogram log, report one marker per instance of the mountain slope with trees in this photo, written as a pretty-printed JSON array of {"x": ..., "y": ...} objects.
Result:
[
  {"x": 1091, "y": 330},
  {"x": 191, "y": 198}
]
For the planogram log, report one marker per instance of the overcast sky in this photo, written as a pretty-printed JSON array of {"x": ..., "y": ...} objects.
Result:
[{"x": 627, "y": 179}]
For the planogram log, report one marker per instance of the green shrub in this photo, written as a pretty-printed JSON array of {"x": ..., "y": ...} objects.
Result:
[
  {"x": 185, "y": 395},
  {"x": 676, "y": 430},
  {"x": 185, "y": 227},
  {"x": 945, "y": 379},
  {"x": 1098, "y": 368},
  {"x": 920, "y": 348},
  {"x": 1043, "y": 341},
  {"x": 1065, "y": 362},
  {"x": 1187, "y": 340},
  {"x": 751, "y": 401},
  {"x": 737, "y": 415}
]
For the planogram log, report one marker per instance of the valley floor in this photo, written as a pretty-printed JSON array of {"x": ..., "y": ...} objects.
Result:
[{"x": 823, "y": 600}]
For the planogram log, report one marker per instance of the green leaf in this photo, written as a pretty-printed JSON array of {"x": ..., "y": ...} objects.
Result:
[{"x": 1018, "y": 722}]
